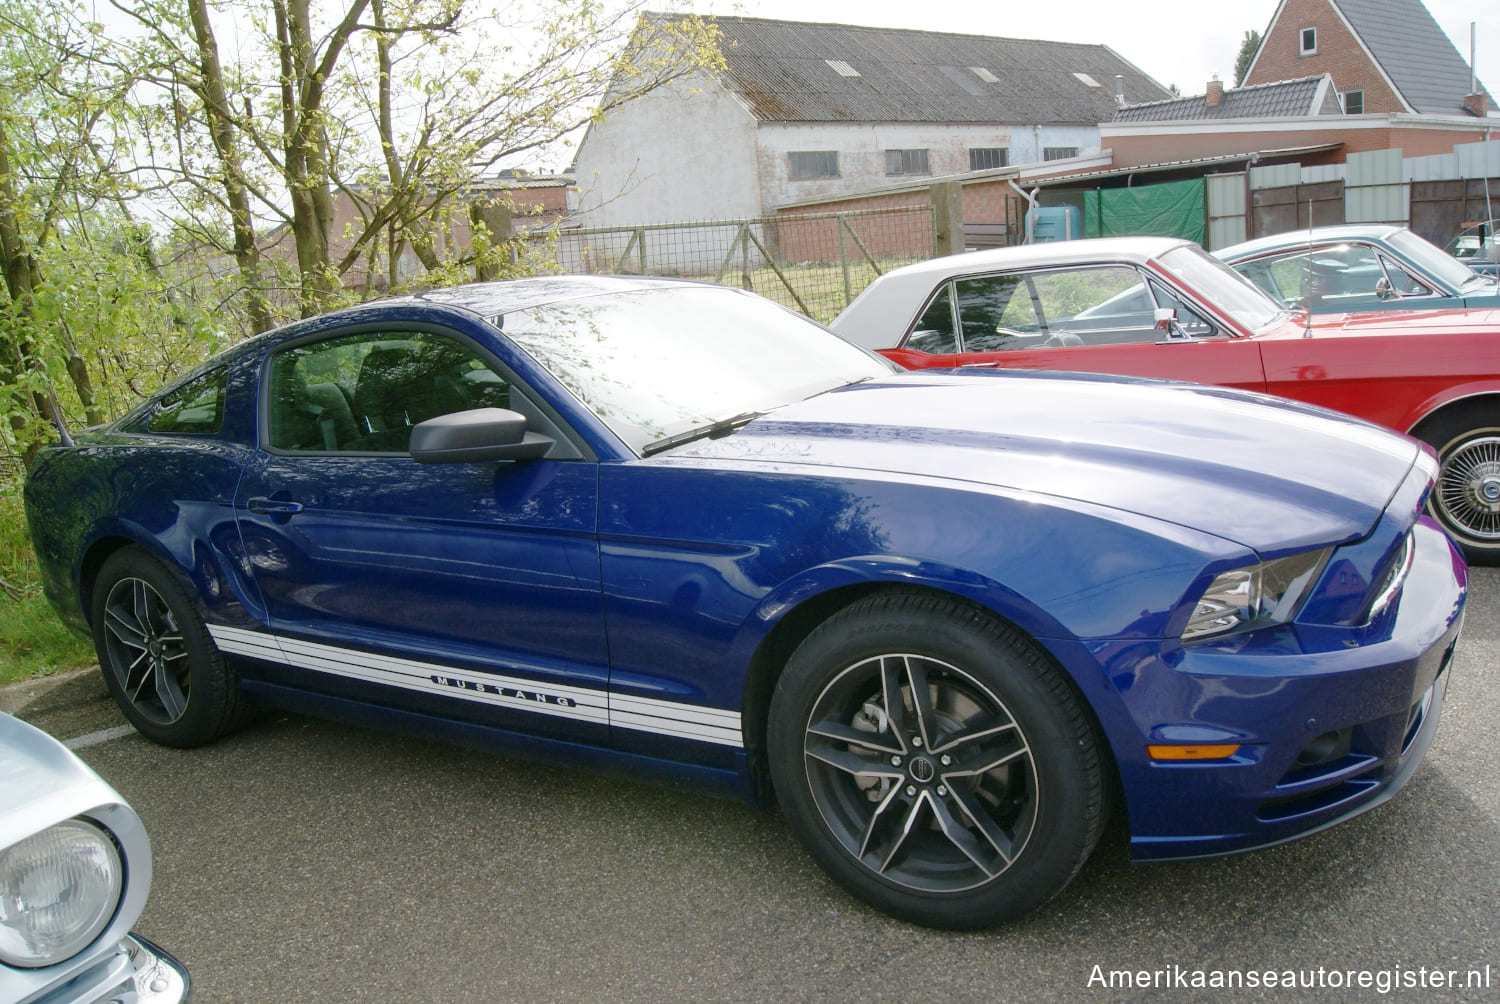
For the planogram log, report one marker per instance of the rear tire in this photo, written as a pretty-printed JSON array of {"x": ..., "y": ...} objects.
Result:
[
  {"x": 158, "y": 660},
  {"x": 935, "y": 761},
  {"x": 1466, "y": 498}
]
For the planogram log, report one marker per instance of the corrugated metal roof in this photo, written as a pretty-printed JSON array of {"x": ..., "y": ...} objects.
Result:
[
  {"x": 782, "y": 70},
  {"x": 1248, "y": 157},
  {"x": 1414, "y": 52},
  {"x": 1285, "y": 98}
]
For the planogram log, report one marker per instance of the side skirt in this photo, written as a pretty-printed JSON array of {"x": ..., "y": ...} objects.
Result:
[{"x": 735, "y": 784}]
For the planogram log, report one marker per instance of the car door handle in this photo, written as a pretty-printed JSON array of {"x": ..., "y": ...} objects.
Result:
[
  {"x": 273, "y": 507},
  {"x": 980, "y": 366}
]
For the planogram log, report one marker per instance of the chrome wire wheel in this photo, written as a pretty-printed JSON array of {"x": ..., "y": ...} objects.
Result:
[
  {"x": 1467, "y": 496},
  {"x": 921, "y": 773},
  {"x": 145, "y": 651}
]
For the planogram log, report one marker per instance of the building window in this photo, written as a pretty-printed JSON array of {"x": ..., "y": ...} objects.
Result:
[
  {"x": 1354, "y": 102},
  {"x": 1307, "y": 42},
  {"x": 813, "y": 164},
  {"x": 1059, "y": 152},
  {"x": 906, "y": 162},
  {"x": 987, "y": 158}
]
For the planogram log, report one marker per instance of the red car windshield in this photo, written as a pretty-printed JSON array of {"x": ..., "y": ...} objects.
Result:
[{"x": 1216, "y": 283}]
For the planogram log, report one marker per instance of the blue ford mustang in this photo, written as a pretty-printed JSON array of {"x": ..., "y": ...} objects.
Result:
[{"x": 947, "y": 620}]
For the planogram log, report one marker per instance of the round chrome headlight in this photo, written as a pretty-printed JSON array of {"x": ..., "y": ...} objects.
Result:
[{"x": 58, "y": 891}]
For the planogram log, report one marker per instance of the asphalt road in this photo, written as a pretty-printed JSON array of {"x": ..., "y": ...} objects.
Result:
[{"x": 306, "y": 861}]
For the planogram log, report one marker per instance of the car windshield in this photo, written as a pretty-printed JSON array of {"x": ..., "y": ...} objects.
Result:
[
  {"x": 658, "y": 363},
  {"x": 1218, "y": 284},
  {"x": 1437, "y": 263}
]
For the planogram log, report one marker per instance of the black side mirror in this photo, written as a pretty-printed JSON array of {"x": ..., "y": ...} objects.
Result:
[{"x": 481, "y": 434}]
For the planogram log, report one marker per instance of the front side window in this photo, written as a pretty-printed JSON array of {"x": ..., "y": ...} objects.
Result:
[
  {"x": 1338, "y": 277},
  {"x": 363, "y": 393},
  {"x": 1307, "y": 44},
  {"x": 1354, "y": 102},
  {"x": 906, "y": 162},
  {"x": 195, "y": 408},
  {"x": 1059, "y": 152},
  {"x": 813, "y": 164}
]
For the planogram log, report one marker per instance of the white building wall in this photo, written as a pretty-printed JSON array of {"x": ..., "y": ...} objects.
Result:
[
  {"x": 861, "y": 148},
  {"x": 683, "y": 152}
]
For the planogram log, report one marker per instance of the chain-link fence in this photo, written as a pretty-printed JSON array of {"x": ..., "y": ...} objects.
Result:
[{"x": 815, "y": 263}]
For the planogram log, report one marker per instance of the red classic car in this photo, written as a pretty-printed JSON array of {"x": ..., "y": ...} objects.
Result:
[{"x": 1162, "y": 307}]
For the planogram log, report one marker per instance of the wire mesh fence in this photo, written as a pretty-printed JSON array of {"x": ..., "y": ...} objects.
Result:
[{"x": 815, "y": 263}]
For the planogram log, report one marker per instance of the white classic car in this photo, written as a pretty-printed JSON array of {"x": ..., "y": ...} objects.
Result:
[{"x": 75, "y": 868}]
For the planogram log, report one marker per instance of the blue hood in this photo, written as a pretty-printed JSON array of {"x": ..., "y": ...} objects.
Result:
[{"x": 1269, "y": 474}]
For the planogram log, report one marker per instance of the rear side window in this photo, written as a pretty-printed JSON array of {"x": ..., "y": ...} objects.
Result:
[{"x": 196, "y": 408}]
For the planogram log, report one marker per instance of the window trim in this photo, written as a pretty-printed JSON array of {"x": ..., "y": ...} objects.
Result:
[
  {"x": 905, "y": 154},
  {"x": 565, "y": 433},
  {"x": 1003, "y": 153},
  {"x": 793, "y": 175},
  {"x": 219, "y": 374},
  {"x": 1149, "y": 277},
  {"x": 1056, "y": 152},
  {"x": 1303, "y": 49},
  {"x": 1344, "y": 100}
]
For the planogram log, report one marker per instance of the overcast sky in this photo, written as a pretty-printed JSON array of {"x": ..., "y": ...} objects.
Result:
[{"x": 1182, "y": 42}]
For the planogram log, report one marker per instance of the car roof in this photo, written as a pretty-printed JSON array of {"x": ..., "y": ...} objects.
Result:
[
  {"x": 1315, "y": 235},
  {"x": 491, "y": 299},
  {"x": 1136, "y": 249}
]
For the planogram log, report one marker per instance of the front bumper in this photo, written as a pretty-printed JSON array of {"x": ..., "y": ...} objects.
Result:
[
  {"x": 136, "y": 972},
  {"x": 1329, "y": 724}
]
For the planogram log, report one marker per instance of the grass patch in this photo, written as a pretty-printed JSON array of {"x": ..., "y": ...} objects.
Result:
[{"x": 33, "y": 640}]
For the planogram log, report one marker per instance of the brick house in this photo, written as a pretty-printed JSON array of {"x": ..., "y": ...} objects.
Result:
[{"x": 1384, "y": 56}]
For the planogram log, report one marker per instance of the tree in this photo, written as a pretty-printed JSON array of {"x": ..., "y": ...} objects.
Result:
[
  {"x": 1249, "y": 46},
  {"x": 395, "y": 105},
  {"x": 55, "y": 152}
]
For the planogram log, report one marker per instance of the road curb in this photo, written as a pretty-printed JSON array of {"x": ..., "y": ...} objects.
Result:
[{"x": 57, "y": 692}]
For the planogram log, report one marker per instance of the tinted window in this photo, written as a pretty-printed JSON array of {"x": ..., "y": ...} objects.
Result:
[
  {"x": 196, "y": 407},
  {"x": 363, "y": 393}
]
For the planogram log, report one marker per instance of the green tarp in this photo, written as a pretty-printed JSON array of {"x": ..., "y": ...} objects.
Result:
[{"x": 1173, "y": 209}]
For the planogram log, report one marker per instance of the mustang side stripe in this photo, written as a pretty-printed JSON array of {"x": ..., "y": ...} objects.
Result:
[{"x": 668, "y": 718}]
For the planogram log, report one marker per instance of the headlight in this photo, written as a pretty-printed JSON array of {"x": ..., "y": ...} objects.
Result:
[
  {"x": 58, "y": 891},
  {"x": 1255, "y": 596}
]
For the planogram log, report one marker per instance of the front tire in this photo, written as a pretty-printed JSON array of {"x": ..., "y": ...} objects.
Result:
[
  {"x": 935, "y": 761},
  {"x": 1466, "y": 498},
  {"x": 158, "y": 660}
]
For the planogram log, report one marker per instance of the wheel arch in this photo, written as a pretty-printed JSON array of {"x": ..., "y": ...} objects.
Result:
[
  {"x": 118, "y": 535},
  {"x": 797, "y": 620},
  {"x": 1453, "y": 401}
]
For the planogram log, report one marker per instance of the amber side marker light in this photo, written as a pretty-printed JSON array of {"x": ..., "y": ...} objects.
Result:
[{"x": 1192, "y": 752}]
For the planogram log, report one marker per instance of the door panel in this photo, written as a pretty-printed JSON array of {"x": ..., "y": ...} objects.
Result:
[{"x": 467, "y": 589}]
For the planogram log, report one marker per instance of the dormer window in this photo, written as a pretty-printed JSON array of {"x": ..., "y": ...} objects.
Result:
[{"x": 1307, "y": 42}]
